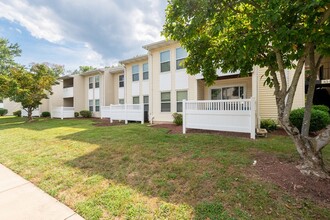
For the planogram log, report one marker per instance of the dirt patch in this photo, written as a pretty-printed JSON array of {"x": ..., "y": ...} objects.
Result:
[
  {"x": 106, "y": 122},
  {"x": 175, "y": 129},
  {"x": 285, "y": 175}
]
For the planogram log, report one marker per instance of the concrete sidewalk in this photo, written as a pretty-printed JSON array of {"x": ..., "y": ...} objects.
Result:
[{"x": 20, "y": 199}]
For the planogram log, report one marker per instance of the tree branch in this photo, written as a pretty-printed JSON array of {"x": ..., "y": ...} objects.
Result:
[
  {"x": 281, "y": 69},
  {"x": 318, "y": 62},
  {"x": 326, "y": 15},
  {"x": 322, "y": 139}
]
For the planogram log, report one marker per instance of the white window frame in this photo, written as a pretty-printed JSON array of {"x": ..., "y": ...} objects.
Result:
[
  {"x": 135, "y": 73},
  {"x": 145, "y": 72},
  {"x": 166, "y": 61},
  {"x": 165, "y": 102},
  {"x": 180, "y": 102},
  {"x": 227, "y": 86},
  {"x": 136, "y": 97},
  {"x": 121, "y": 81},
  {"x": 177, "y": 65}
]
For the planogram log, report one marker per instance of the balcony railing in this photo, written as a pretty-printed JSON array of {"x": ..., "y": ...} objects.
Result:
[{"x": 68, "y": 92}]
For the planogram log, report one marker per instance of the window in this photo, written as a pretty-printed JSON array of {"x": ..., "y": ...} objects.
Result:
[
  {"x": 121, "y": 81},
  {"x": 97, "y": 105},
  {"x": 165, "y": 61},
  {"x": 145, "y": 71},
  {"x": 235, "y": 92},
  {"x": 165, "y": 105},
  {"x": 121, "y": 101},
  {"x": 146, "y": 103},
  {"x": 97, "y": 81},
  {"x": 136, "y": 100},
  {"x": 91, "y": 107},
  {"x": 180, "y": 96},
  {"x": 181, "y": 55},
  {"x": 135, "y": 72},
  {"x": 91, "y": 79}
]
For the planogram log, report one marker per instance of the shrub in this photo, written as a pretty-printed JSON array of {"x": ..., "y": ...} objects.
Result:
[
  {"x": 268, "y": 124},
  {"x": 177, "y": 118},
  {"x": 45, "y": 114},
  {"x": 319, "y": 119},
  {"x": 76, "y": 114},
  {"x": 3, "y": 111},
  {"x": 86, "y": 114},
  {"x": 17, "y": 113},
  {"x": 323, "y": 108}
]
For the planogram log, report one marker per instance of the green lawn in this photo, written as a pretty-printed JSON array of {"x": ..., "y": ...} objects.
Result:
[{"x": 138, "y": 172}]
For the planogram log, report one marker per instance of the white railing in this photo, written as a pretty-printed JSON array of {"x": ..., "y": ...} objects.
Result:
[
  {"x": 221, "y": 115},
  {"x": 35, "y": 113},
  {"x": 62, "y": 112},
  {"x": 105, "y": 112},
  {"x": 68, "y": 92},
  {"x": 127, "y": 112}
]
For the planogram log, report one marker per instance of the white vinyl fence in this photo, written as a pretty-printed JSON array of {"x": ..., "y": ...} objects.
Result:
[
  {"x": 105, "y": 112},
  {"x": 35, "y": 113},
  {"x": 127, "y": 112},
  {"x": 62, "y": 112},
  {"x": 221, "y": 115}
]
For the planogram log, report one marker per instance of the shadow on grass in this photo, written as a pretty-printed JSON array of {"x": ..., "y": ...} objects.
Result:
[{"x": 192, "y": 169}]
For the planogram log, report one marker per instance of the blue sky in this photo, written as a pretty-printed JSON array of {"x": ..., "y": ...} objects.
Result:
[{"x": 81, "y": 32}]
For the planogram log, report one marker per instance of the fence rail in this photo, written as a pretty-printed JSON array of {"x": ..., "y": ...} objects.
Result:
[
  {"x": 62, "y": 112},
  {"x": 125, "y": 112},
  {"x": 221, "y": 115},
  {"x": 35, "y": 113}
]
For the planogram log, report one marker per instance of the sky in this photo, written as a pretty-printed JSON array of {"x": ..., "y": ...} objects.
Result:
[{"x": 77, "y": 33}]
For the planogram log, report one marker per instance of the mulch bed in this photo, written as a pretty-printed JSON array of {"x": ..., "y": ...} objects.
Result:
[
  {"x": 285, "y": 175},
  {"x": 106, "y": 122}
]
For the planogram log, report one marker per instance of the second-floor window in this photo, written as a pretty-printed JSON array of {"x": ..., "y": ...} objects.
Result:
[
  {"x": 165, "y": 65},
  {"x": 136, "y": 100},
  {"x": 121, "y": 101},
  {"x": 121, "y": 81},
  {"x": 135, "y": 72},
  {"x": 90, "y": 82},
  {"x": 97, "y": 81},
  {"x": 181, "y": 55},
  {"x": 145, "y": 71}
]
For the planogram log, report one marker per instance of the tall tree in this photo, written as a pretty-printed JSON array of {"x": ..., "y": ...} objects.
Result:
[
  {"x": 30, "y": 87},
  {"x": 276, "y": 34}
]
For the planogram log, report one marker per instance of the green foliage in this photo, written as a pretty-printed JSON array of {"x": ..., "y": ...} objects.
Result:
[
  {"x": 45, "y": 114},
  {"x": 3, "y": 111},
  {"x": 8, "y": 52},
  {"x": 76, "y": 114},
  {"x": 177, "y": 118},
  {"x": 86, "y": 114},
  {"x": 211, "y": 210},
  {"x": 29, "y": 87},
  {"x": 319, "y": 119},
  {"x": 17, "y": 113},
  {"x": 323, "y": 108},
  {"x": 268, "y": 124},
  {"x": 246, "y": 33}
]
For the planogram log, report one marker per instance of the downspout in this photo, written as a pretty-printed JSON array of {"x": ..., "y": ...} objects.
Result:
[
  {"x": 151, "y": 91},
  {"x": 125, "y": 84}
]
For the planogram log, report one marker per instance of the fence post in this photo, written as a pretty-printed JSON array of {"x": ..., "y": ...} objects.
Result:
[
  {"x": 184, "y": 116},
  {"x": 142, "y": 113},
  {"x": 253, "y": 119},
  {"x": 101, "y": 112},
  {"x": 110, "y": 114},
  {"x": 126, "y": 121}
]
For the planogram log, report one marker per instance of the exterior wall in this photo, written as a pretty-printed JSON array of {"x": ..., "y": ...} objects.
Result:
[
  {"x": 115, "y": 88},
  {"x": 79, "y": 97},
  {"x": 172, "y": 81},
  {"x": 266, "y": 106},
  {"x": 11, "y": 106},
  {"x": 135, "y": 88},
  {"x": 95, "y": 93}
]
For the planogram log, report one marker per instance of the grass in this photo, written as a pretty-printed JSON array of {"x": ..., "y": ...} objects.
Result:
[{"x": 138, "y": 172}]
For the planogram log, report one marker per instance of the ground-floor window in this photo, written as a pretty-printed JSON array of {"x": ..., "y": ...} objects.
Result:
[
  {"x": 136, "y": 100},
  {"x": 180, "y": 96},
  {"x": 121, "y": 101},
  {"x": 146, "y": 103},
  {"x": 233, "y": 92},
  {"x": 165, "y": 98},
  {"x": 90, "y": 104},
  {"x": 97, "y": 105}
]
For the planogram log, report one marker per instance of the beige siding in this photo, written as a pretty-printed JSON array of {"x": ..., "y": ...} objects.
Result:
[
  {"x": 79, "y": 96},
  {"x": 11, "y": 106}
]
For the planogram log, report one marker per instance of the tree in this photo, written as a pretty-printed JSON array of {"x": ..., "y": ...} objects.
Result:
[
  {"x": 82, "y": 69},
  {"x": 30, "y": 87},
  {"x": 276, "y": 34},
  {"x": 7, "y": 54}
]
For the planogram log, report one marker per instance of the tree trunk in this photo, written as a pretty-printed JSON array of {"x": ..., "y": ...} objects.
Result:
[
  {"x": 311, "y": 158},
  {"x": 29, "y": 118}
]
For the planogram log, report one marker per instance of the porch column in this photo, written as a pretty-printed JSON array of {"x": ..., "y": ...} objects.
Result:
[{"x": 255, "y": 95}]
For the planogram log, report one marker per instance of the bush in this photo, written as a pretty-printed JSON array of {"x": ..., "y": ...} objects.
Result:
[
  {"x": 76, "y": 114},
  {"x": 3, "y": 111},
  {"x": 45, "y": 114},
  {"x": 177, "y": 118},
  {"x": 268, "y": 124},
  {"x": 17, "y": 113},
  {"x": 86, "y": 114},
  {"x": 319, "y": 119},
  {"x": 323, "y": 108}
]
